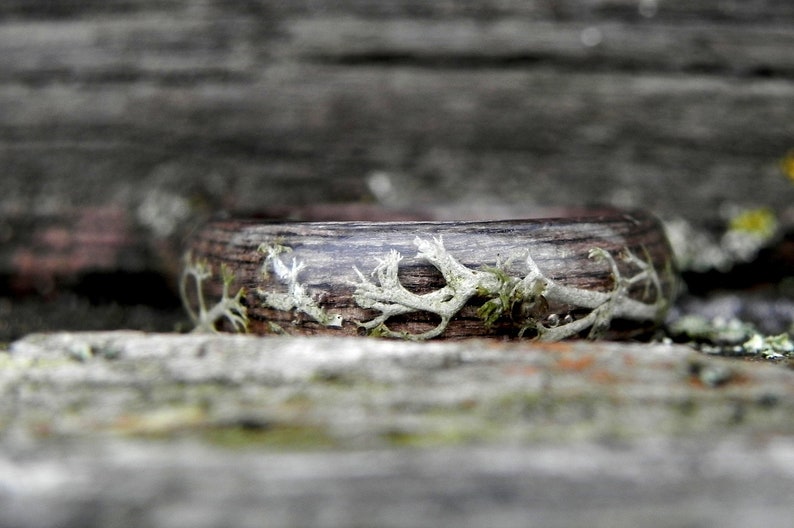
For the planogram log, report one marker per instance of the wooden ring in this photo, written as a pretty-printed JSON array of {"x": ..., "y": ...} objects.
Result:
[{"x": 610, "y": 275}]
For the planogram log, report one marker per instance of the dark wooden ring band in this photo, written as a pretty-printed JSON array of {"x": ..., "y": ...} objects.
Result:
[{"x": 609, "y": 275}]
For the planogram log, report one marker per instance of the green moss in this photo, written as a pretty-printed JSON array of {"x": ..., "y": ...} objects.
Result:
[
  {"x": 437, "y": 438},
  {"x": 194, "y": 421},
  {"x": 9, "y": 361},
  {"x": 269, "y": 436},
  {"x": 6, "y": 361},
  {"x": 502, "y": 301},
  {"x": 380, "y": 330},
  {"x": 523, "y": 404},
  {"x": 162, "y": 423},
  {"x": 687, "y": 407},
  {"x": 337, "y": 378}
]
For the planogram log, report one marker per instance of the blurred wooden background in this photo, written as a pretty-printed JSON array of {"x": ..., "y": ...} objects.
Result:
[{"x": 122, "y": 121}]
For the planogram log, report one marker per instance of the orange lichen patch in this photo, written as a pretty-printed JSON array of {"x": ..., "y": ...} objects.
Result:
[
  {"x": 522, "y": 370},
  {"x": 604, "y": 376},
  {"x": 43, "y": 430},
  {"x": 697, "y": 383},
  {"x": 629, "y": 361},
  {"x": 493, "y": 344},
  {"x": 554, "y": 346},
  {"x": 468, "y": 404},
  {"x": 576, "y": 364}
]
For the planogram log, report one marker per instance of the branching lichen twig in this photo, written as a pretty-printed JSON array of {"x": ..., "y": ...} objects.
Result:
[
  {"x": 391, "y": 298},
  {"x": 504, "y": 293},
  {"x": 296, "y": 297},
  {"x": 229, "y": 308}
]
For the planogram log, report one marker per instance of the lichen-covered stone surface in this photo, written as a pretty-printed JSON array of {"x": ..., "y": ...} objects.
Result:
[{"x": 127, "y": 428}]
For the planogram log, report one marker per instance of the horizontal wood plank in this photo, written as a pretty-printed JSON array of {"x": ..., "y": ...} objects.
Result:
[
  {"x": 299, "y": 135},
  {"x": 244, "y": 106}
]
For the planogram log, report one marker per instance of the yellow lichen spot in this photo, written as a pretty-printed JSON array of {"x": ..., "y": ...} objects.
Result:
[
  {"x": 760, "y": 222},
  {"x": 787, "y": 165}
]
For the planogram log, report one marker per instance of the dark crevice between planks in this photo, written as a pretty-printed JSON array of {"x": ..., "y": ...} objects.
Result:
[
  {"x": 760, "y": 292},
  {"x": 124, "y": 76},
  {"x": 518, "y": 61},
  {"x": 144, "y": 300},
  {"x": 772, "y": 266}
]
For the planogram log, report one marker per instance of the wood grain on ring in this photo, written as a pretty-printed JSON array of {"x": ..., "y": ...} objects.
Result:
[{"x": 610, "y": 275}]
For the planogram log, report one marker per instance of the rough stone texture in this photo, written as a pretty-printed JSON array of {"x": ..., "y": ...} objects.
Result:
[{"x": 108, "y": 429}]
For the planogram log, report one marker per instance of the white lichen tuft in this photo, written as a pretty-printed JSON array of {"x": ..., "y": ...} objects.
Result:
[
  {"x": 391, "y": 298},
  {"x": 296, "y": 297},
  {"x": 228, "y": 308},
  {"x": 506, "y": 295}
]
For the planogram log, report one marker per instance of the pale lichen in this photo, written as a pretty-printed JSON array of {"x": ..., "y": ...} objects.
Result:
[
  {"x": 746, "y": 232},
  {"x": 505, "y": 295},
  {"x": 392, "y": 299},
  {"x": 228, "y": 307},
  {"x": 297, "y": 296},
  {"x": 731, "y": 337},
  {"x": 771, "y": 346}
]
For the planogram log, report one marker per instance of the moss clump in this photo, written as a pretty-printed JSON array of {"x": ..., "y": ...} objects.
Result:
[
  {"x": 280, "y": 436},
  {"x": 433, "y": 438}
]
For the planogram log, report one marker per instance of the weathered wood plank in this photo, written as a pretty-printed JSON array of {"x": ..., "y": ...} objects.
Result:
[
  {"x": 179, "y": 89},
  {"x": 200, "y": 107},
  {"x": 720, "y": 481},
  {"x": 194, "y": 49},
  {"x": 167, "y": 430},
  {"x": 541, "y": 136},
  {"x": 87, "y": 385},
  {"x": 729, "y": 49},
  {"x": 720, "y": 10}
]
